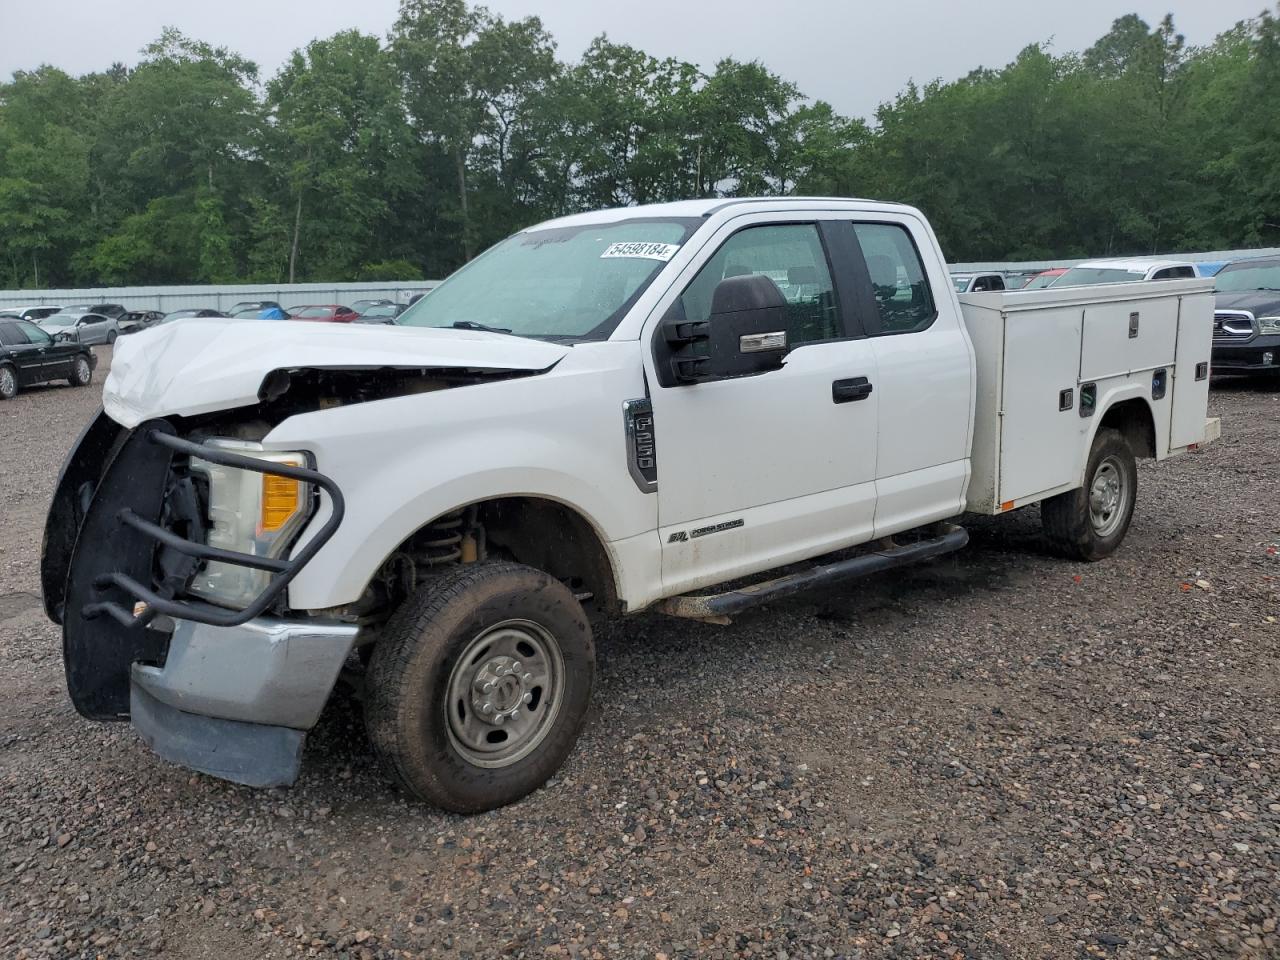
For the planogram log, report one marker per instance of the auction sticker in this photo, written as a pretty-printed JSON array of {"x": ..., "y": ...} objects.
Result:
[{"x": 641, "y": 250}]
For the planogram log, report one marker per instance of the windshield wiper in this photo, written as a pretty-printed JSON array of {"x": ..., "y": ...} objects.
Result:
[{"x": 472, "y": 325}]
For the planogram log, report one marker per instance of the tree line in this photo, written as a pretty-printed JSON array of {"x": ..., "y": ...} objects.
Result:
[{"x": 396, "y": 158}]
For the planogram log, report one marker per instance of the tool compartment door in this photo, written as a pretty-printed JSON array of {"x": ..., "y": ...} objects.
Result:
[
  {"x": 1127, "y": 336},
  {"x": 1195, "y": 343},
  {"x": 1040, "y": 443}
]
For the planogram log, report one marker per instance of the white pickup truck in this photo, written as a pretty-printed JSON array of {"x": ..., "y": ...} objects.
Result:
[{"x": 655, "y": 408}]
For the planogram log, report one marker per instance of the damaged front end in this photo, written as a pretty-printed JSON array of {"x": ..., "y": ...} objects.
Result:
[{"x": 161, "y": 624}]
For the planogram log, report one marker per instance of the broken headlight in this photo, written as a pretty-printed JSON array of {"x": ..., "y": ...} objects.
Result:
[{"x": 249, "y": 512}]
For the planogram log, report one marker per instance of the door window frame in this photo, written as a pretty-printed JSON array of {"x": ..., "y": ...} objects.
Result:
[
  {"x": 842, "y": 284},
  {"x": 869, "y": 306}
]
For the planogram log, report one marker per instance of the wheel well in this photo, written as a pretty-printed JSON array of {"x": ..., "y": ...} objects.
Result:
[
  {"x": 1136, "y": 424},
  {"x": 531, "y": 530}
]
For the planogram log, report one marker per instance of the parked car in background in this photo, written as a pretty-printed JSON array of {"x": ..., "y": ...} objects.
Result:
[
  {"x": 29, "y": 355},
  {"x": 382, "y": 313},
  {"x": 977, "y": 282},
  {"x": 1246, "y": 317},
  {"x": 113, "y": 310},
  {"x": 192, "y": 312},
  {"x": 1124, "y": 271},
  {"x": 324, "y": 313},
  {"x": 32, "y": 313},
  {"x": 362, "y": 306},
  {"x": 88, "y": 328},
  {"x": 1044, "y": 278},
  {"x": 247, "y": 308},
  {"x": 136, "y": 320}
]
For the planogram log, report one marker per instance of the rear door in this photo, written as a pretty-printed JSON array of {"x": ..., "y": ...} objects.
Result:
[{"x": 924, "y": 363}]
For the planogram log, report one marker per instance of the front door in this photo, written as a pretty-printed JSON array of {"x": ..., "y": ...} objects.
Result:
[
  {"x": 32, "y": 358},
  {"x": 758, "y": 471}
]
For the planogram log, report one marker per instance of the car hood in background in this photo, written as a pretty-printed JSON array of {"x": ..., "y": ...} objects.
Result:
[
  {"x": 199, "y": 366},
  {"x": 1261, "y": 303}
]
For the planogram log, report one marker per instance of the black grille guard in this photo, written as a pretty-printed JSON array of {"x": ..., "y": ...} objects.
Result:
[{"x": 283, "y": 570}]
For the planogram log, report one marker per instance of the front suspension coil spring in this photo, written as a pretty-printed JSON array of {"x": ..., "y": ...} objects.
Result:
[{"x": 442, "y": 541}]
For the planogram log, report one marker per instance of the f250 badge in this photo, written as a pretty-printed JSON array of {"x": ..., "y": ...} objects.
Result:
[{"x": 683, "y": 536}]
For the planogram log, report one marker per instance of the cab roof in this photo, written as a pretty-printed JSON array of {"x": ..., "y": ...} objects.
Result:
[{"x": 694, "y": 209}]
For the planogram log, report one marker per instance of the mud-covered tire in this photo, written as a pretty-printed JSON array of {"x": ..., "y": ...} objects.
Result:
[
  {"x": 81, "y": 372},
  {"x": 1090, "y": 523},
  {"x": 8, "y": 382},
  {"x": 425, "y": 698}
]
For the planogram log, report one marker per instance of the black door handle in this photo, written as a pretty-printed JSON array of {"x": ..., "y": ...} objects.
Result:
[{"x": 847, "y": 391}]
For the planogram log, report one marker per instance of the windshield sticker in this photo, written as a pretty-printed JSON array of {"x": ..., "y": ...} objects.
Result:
[{"x": 642, "y": 250}]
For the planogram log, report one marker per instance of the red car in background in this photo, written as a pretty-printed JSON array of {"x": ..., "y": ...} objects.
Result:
[{"x": 323, "y": 313}]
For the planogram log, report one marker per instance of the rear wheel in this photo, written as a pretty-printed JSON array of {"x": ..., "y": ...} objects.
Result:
[
  {"x": 1091, "y": 522},
  {"x": 111, "y": 337},
  {"x": 81, "y": 372},
  {"x": 478, "y": 691},
  {"x": 8, "y": 382}
]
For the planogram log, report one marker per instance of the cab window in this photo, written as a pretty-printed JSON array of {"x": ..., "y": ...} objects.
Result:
[
  {"x": 904, "y": 302},
  {"x": 792, "y": 256}
]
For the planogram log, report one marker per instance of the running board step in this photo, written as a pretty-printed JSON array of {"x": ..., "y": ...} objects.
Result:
[{"x": 718, "y": 606}]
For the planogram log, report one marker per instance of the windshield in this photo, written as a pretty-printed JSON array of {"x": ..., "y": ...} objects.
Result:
[
  {"x": 1244, "y": 277},
  {"x": 961, "y": 283},
  {"x": 314, "y": 312},
  {"x": 1042, "y": 281},
  {"x": 566, "y": 282},
  {"x": 59, "y": 320},
  {"x": 380, "y": 312},
  {"x": 1085, "y": 276}
]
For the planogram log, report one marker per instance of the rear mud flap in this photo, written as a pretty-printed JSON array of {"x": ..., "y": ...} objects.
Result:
[{"x": 97, "y": 653}]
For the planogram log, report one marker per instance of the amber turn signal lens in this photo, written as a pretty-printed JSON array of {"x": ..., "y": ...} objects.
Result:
[{"x": 280, "y": 501}]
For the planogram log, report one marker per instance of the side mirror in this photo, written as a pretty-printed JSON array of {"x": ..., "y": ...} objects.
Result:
[{"x": 745, "y": 333}]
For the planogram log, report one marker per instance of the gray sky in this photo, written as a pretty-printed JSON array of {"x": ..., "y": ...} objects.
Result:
[{"x": 854, "y": 53}]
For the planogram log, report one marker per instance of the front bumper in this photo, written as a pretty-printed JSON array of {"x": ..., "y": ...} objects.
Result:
[
  {"x": 270, "y": 671},
  {"x": 1259, "y": 355},
  {"x": 236, "y": 702}
]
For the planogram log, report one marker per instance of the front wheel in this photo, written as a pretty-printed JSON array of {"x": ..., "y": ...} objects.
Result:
[
  {"x": 81, "y": 372},
  {"x": 478, "y": 690},
  {"x": 1090, "y": 523}
]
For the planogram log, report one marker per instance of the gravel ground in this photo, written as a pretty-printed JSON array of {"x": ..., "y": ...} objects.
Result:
[{"x": 1000, "y": 755}]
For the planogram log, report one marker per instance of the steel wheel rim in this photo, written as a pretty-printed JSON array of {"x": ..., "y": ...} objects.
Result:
[
  {"x": 1108, "y": 497},
  {"x": 7, "y": 382},
  {"x": 504, "y": 693}
]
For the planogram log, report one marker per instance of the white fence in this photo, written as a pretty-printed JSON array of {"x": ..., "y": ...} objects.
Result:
[{"x": 219, "y": 297}]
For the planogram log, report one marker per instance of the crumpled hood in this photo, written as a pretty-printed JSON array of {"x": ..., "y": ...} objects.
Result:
[{"x": 190, "y": 367}]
